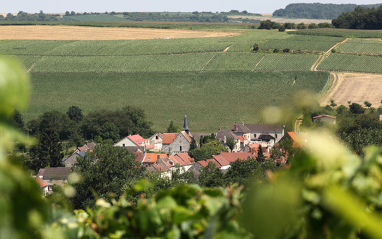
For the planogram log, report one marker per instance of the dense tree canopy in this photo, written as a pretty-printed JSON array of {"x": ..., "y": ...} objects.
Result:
[{"x": 360, "y": 18}]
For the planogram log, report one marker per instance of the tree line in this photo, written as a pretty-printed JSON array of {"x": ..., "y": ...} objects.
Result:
[
  {"x": 317, "y": 10},
  {"x": 360, "y": 18}
]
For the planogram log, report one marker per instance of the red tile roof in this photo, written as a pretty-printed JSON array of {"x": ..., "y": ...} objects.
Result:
[
  {"x": 138, "y": 140},
  {"x": 213, "y": 160},
  {"x": 232, "y": 157},
  {"x": 203, "y": 163},
  {"x": 168, "y": 138},
  {"x": 41, "y": 182},
  {"x": 185, "y": 158},
  {"x": 221, "y": 160},
  {"x": 152, "y": 158}
]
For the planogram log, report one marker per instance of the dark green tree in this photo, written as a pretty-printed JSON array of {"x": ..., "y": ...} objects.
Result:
[
  {"x": 172, "y": 128},
  {"x": 109, "y": 131},
  {"x": 260, "y": 154},
  {"x": 282, "y": 28},
  {"x": 231, "y": 143},
  {"x": 17, "y": 120},
  {"x": 367, "y": 104},
  {"x": 356, "y": 108},
  {"x": 75, "y": 113},
  {"x": 211, "y": 176},
  {"x": 49, "y": 148},
  {"x": 108, "y": 170},
  {"x": 193, "y": 144},
  {"x": 206, "y": 151}
]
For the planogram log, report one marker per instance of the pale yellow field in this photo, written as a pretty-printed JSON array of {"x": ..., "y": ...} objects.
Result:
[
  {"x": 355, "y": 87},
  {"x": 99, "y": 33}
]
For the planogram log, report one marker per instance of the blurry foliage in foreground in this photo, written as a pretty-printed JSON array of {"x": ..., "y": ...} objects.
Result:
[{"x": 328, "y": 192}]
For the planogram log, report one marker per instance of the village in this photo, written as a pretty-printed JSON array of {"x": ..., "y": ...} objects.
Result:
[{"x": 164, "y": 153}]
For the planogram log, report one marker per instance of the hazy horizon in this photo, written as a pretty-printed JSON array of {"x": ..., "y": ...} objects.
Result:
[{"x": 60, "y": 6}]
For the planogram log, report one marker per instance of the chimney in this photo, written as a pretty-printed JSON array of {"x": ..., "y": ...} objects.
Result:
[
  {"x": 235, "y": 127},
  {"x": 158, "y": 156}
]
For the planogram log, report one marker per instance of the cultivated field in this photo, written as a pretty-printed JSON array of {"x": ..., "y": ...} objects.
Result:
[
  {"x": 96, "y": 33},
  {"x": 210, "y": 99},
  {"x": 215, "y": 80},
  {"x": 355, "y": 87}
]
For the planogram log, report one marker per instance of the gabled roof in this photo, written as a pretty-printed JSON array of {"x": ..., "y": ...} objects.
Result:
[
  {"x": 221, "y": 160},
  {"x": 139, "y": 156},
  {"x": 136, "y": 138},
  {"x": 41, "y": 182},
  {"x": 232, "y": 157},
  {"x": 266, "y": 136},
  {"x": 188, "y": 138},
  {"x": 227, "y": 133},
  {"x": 168, "y": 138},
  {"x": 185, "y": 158},
  {"x": 152, "y": 158},
  {"x": 54, "y": 172},
  {"x": 265, "y": 127},
  {"x": 160, "y": 167},
  {"x": 213, "y": 161},
  {"x": 203, "y": 163},
  {"x": 241, "y": 128},
  {"x": 159, "y": 134}
]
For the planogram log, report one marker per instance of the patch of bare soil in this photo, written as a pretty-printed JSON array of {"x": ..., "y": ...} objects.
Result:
[
  {"x": 355, "y": 87},
  {"x": 99, "y": 33}
]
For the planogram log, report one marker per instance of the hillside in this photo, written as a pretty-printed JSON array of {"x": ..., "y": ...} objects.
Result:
[{"x": 317, "y": 10}]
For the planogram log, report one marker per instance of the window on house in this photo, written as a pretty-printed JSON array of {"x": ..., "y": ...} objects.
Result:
[
  {"x": 123, "y": 145},
  {"x": 50, "y": 179},
  {"x": 63, "y": 179},
  {"x": 254, "y": 135},
  {"x": 50, "y": 188},
  {"x": 275, "y": 135},
  {"x": 157, "y": 137},
  {"x": 180, "y": 148}
]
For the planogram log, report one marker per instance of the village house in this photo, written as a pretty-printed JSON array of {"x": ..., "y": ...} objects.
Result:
[
  {"x": 165, "y": 164},
  {"x": 156, "y": 141},
  {"x": 134, "y": 141},
  {"x": 54, "y": 175},
  {"x": 265, "y": 134},
  {"x": 223, "y": 135},
  {"x": 44, "y": 186},
  {"x": 78, "y": 152}
]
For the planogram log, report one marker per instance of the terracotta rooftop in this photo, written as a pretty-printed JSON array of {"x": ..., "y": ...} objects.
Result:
[
  {"x": 152, "y": 158},
  {"x": 168, "y": 138},
  {"x": 41, "y": 182},
  {"x": 221, "y": 160},
  {"x": 296, "y": 140},
  {"x": 185, "y": 157},
  {"x": 232, "y": 157}
]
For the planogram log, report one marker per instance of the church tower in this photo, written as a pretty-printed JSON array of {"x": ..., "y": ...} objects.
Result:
[{"x": 185, "y": 125}]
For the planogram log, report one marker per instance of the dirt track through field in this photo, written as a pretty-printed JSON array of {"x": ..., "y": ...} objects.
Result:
[
  {"x": 99, "y": 33},
  {"x": 354, "y": 87}
]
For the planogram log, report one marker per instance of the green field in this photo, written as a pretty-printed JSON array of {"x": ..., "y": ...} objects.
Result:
[
  {"x": 356, "y": 63},
  {"x": 363, "y": 46},
  {"x": 336, "y": 32},
  {"x": 301, "y": 42},
  {"x": 210, "y": 99},
  {"x": 215, "y": 81}
]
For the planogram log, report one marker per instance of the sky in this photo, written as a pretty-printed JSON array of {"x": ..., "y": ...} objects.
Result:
[{"x": 60, "y": 6}]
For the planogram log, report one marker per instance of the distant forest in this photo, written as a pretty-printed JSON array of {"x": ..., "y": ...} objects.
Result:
[
  {"x": 317, "y": 10},
  {"x": 217, "y": 17},
  {"x": 360, "y": 18}
]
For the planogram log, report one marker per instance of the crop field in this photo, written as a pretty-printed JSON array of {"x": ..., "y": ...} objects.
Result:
[
  {"x": 355, "y": 63},
  {"x": 336, "y": 32},
  {"x": 234, "y": 61},
  {"x": 99, "y": 33},
  {"x": 286, "y": 62},
  {"x": 142, "y": 63},
  {"x": 301, "y": 42},
  {"x": 210, "y": 99},
  {"x": 363, "y": 46},
  {"x": 357, "y": 88}
]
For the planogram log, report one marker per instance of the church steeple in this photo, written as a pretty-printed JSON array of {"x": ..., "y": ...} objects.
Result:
[{"x": 185, "y": 125}]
